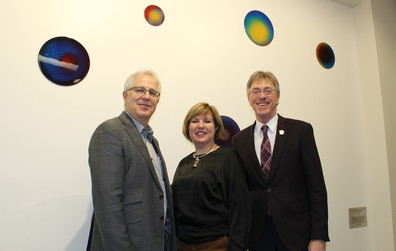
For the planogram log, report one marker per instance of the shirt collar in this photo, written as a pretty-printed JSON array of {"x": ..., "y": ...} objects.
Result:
[
  {"x": 272, "y": 124},
  {"x": 146, "y": 132}
]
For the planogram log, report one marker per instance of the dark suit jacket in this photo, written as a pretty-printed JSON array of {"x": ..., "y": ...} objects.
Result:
[
  {"x": 295, "y": 193},
  {"x": 127, "y": 196}
]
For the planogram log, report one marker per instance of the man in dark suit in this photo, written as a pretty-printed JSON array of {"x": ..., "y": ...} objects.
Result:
[
  {"x": 130, "y": 187},
  {"x": 284, "y": 173}
]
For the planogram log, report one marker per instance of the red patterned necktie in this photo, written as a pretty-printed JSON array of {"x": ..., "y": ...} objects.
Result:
[{"x": 265, "y": 153}]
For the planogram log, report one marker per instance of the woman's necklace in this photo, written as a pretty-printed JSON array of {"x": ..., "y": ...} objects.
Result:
[{"x": 197, "y": 157}]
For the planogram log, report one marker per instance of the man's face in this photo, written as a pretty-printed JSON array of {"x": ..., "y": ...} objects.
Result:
[
  {"x": 262, "y": 100},
  {"x": 141, "y": 106}
]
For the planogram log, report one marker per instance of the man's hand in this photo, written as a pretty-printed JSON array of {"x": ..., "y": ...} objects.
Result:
[{"x": 317, "y": 245}]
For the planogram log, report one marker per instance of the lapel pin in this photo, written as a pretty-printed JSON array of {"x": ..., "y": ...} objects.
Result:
[{"x": 281, "y": 132}]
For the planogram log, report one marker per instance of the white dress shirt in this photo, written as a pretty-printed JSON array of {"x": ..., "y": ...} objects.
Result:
[{"x": 258, "y": 135}]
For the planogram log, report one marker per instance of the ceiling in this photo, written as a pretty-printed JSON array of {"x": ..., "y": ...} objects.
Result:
[{"x": 350, "y": 3}]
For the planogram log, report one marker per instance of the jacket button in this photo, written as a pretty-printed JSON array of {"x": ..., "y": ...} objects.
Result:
[
  {"x": 162, "y": 218},
  {"x": 161, "y": 197},
  {"x": 269, "y": 189}
]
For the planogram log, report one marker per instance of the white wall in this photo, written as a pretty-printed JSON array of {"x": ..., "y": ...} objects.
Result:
[
  {"x": 201, "y": 53},
  {"x": 375, "y": 40},
  {"x": 384, "y": 17}
]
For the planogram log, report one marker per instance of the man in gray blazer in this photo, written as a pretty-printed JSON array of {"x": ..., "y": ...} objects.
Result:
[{"x": 130, "y": 187}]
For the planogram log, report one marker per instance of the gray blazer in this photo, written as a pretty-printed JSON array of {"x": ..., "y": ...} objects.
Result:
[{"x": 127, "y": 196}]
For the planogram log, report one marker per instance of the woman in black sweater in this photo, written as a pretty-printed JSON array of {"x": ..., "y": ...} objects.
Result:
[{"x": 209, "y": 189}]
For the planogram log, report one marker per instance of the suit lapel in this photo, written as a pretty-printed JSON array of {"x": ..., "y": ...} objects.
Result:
[
  {"x": 136, "y": 138},
  {"x": 281, "y": 135}
]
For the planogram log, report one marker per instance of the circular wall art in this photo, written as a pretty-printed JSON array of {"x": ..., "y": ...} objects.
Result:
[
  {"x": 63, "y": 61},
  {"x": 325, "y": 55},
  {"x": 230, "y": 129},
  {"x": 154, "y": 15},
  {"x": 259, "y": 28}
]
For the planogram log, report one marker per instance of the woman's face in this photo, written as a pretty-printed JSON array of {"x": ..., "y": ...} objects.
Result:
[{"x": 202, "y": 130}]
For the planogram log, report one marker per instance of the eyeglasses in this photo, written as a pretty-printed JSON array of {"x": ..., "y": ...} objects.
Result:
[
  {"x": 266, "y": 91},
  {"x": 142, "y": 91}
]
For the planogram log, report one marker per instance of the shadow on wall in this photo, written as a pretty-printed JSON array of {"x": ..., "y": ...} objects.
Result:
[{"x": 80, "y": 240}]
